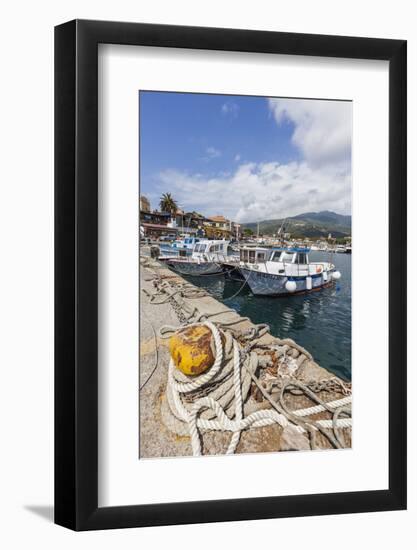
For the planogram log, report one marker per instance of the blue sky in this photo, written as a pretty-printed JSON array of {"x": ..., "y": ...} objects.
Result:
[{"x": 248, "y": 158}]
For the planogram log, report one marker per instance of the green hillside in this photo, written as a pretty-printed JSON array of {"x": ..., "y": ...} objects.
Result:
[{"x": 310, "y": 224}]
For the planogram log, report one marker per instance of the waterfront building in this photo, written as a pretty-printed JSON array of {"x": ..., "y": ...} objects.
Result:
[
  {"x": 217, "y": 227},
  {"x": 237, "y": 230},
  {"x": 155, "y": 224}
]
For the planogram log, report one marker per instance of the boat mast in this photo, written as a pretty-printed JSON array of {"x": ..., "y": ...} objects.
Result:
[{"x": 281, "y": 240}]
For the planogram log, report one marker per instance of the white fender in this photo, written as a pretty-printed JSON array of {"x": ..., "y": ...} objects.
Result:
[{"x": 291, "y": 286}]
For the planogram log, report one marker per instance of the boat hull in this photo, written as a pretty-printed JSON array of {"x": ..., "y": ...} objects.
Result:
[
  {"x": 267, "y": 284},
  {"x": 195, "y": 268}
]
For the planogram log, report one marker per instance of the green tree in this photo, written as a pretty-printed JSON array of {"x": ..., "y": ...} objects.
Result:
[
  {"x": 167, "y": 203},
  {"x": 248, "y": 232}
]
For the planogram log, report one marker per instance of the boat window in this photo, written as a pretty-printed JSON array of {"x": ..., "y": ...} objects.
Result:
[
  {"x": 302, "y": 258},
  {"x": 251, "y": 256},
  {"x": 275, "y": 257},
  {"x": 261, "y": 256},
  {"x": 286, "y": 257},
  {"x": 244, "y": 255}
]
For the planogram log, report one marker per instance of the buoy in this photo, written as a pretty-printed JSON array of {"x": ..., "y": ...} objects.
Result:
[
  {"x": 192, "y": 349},
  {"x": 336, "y": 275},
  {"x": 291, "y": 286},
  {"x": 325, "y": 276}
]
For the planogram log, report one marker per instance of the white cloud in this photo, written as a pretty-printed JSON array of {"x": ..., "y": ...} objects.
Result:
[
  {"x": 323, "y": 129},
  {"x": 230, "y": 108},
  {"x": 261, "y": 191},
  {"x": 320, "y": 180}
]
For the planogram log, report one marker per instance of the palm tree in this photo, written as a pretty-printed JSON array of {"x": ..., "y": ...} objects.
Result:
[{"x": 167, "y": 203}]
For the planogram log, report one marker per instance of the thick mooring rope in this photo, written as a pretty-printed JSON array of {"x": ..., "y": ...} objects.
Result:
[
  {"x": 223, "y": 422},
  {"x": 190, "y": 413}
]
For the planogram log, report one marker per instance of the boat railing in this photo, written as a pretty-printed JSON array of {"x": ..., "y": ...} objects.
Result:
[{"x": 302, "y": 269}]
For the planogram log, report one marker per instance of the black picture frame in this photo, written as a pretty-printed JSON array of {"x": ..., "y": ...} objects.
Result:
[{"x": 76, "y": 272}]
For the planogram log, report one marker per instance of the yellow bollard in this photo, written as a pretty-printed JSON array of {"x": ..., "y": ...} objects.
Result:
[{"x": 192, "y": 349}]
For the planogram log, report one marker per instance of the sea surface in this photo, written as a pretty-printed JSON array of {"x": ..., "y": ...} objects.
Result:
[{"x": 320, "y": 321}]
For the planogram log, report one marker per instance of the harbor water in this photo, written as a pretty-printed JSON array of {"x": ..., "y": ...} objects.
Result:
[{"x": 319, "y": 321}]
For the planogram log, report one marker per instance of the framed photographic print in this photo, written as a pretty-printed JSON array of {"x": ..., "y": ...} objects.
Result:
[{"x": 230, "y": 275}]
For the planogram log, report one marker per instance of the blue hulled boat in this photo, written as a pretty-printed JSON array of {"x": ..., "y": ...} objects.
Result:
[{"x": 284, "y": 271}]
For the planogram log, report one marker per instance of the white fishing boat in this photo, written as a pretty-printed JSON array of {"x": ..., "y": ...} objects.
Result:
[
  {"x": 180, "y": 247},
  {"x": 206, "y": 258},
  {"x": 284, "y": 271}
]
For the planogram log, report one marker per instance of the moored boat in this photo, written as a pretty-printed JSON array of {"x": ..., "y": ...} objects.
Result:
[
  {"x": 285, "y": 271},
  {"x": 206, "y": 258}
]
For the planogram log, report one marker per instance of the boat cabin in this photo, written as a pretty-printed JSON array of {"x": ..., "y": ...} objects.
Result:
[
  {"x": 257, "y": 255},
  {"x": 293, "y": 262},
  {"x": 290, "y": 256},
  {"x": 210, "y": 248},
  {"x": 254, "y": 255}
]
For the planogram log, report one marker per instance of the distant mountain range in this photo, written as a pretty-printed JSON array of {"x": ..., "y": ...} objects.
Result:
[{"x": 309, "y": 224}]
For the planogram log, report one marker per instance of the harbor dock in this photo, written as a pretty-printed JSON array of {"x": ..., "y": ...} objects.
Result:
[{"x": 295, "y": 403}]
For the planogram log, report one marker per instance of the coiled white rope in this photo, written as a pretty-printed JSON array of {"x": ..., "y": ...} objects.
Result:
[{"x": 222, "y": 422}]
